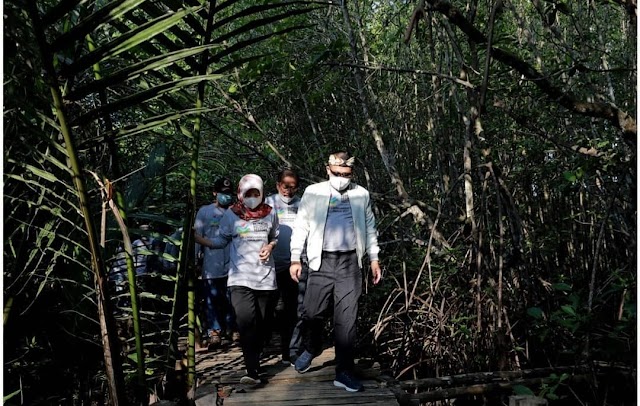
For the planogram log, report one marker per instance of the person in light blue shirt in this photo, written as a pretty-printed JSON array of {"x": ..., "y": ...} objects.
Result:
[{"x": 215, "y": 265}]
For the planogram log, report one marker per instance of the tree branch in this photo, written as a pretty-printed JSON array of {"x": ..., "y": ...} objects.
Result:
[
  {"x": 621, "y": 119},
  {"x": 465, "y": 83}
]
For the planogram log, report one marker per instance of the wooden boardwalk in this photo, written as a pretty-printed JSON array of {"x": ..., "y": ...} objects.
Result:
[{"x": 219, "y": 374}]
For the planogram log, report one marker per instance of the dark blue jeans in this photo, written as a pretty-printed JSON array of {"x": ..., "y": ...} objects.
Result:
[{"x": 217, "y": 305}]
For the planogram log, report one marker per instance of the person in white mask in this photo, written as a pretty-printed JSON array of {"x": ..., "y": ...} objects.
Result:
[
  {"x": 336, "y": 225},
  {"x": 286, "y": 203},
  {"x": 251, "y": 226}
]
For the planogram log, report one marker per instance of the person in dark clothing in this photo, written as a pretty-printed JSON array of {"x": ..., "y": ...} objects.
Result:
[{"x": 286, "y": 203}]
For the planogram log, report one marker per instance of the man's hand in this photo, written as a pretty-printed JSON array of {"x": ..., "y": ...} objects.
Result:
[
  {"x": 295, "y": 270},
  {"x": 376, "y": 272}
]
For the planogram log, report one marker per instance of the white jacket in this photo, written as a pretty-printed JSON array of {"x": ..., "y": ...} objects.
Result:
[{"x": 312, "y": 216}]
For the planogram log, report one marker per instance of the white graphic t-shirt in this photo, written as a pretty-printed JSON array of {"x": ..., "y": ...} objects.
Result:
[
  {"x": 247, "y": 238},
  {"x": 286, "y": 213}
]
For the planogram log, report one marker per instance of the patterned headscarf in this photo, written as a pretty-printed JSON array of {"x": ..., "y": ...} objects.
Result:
[
  {"x": 247, "y": 183},
  {"x": 337, "y": 161}
]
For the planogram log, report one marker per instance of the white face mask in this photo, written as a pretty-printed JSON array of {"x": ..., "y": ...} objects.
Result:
[
  {"x": 338, "y": 182},
  {"x": 252, "y": 202},
  {"x": 286, "y": 199}
]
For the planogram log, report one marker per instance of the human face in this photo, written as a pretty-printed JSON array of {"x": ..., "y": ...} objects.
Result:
[
  {"x": 288, "y": 187},
  {"x": 252, "y": 199},
  {"x": 341, "y": 171},
  {"x": 252, "y": 193},
  {"x": 223, "y": 199}
]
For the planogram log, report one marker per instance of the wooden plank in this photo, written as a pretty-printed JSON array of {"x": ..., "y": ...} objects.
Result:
[
  {"x": 304, "y": 388},
  {"x": 290, "y": 374},
  {"x": 307, "y": 402},
  {"x": 298, "y": 393},
  {"x": 222, "y": 369}
]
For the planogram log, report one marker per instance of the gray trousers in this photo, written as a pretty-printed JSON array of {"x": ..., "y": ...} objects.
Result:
[{"x": 335, "y": 287}]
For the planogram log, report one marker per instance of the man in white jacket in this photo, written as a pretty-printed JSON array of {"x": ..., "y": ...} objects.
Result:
[{"x": 337, "y": 224}]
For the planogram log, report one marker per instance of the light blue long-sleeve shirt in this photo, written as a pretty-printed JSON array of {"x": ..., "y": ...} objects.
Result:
[{"x": 215, "y": 262}]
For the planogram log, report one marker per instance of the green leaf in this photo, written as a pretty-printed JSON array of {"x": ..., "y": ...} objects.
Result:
[
  {"x": 233, "y": 88},
  {"x": 561, "y": 286},
  {"x": 569, "y": 310},
  {"x": 9, "y": 396},
  {"x": 42, "y": 174},
  {"x": 570, "y": 176},
  {"x": 535, "y": 312},
  {"x": 48, "y": 120},
  {"x": 522, "y": 390},
  {"x": 159, "y": 121}
]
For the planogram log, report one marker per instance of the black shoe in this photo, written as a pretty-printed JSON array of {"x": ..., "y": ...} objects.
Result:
[
  {"x": 347, "y": 381},
  {"x": 303, "y": 363}
]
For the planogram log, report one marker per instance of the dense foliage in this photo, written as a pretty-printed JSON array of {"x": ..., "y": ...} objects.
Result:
[{"x": 497, "y": 138}]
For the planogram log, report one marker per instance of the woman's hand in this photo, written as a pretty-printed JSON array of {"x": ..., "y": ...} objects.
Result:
[{"x": 265, "y": 252}]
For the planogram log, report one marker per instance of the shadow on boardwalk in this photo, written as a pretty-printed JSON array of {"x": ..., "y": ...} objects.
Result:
[{"x": 219, "y": 374}]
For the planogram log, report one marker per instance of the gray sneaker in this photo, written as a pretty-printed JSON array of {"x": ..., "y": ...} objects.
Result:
[{"x": 250, "y": 380}]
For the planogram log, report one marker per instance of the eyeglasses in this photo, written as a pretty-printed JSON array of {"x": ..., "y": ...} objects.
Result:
[{"x": 342, "y": 174}]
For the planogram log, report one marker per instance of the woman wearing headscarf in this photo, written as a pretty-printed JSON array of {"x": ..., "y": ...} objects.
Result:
[{"x": 251, "y": 226}]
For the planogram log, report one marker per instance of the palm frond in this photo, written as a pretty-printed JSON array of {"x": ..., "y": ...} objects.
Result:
[
  {"x": 141, "y": 97},
  {"x": 133, "y": 71},
  {"x": 109, "y": 12},
  {"x": 125, "y": 42}
]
